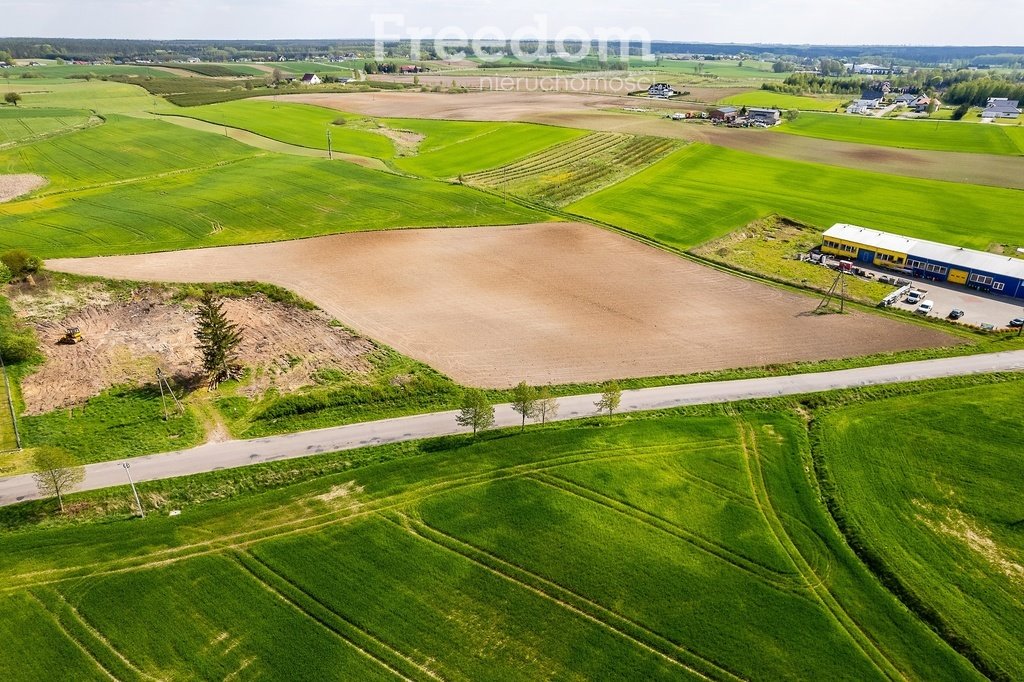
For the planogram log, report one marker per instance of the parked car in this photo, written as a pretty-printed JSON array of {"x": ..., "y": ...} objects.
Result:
[
  {"x": 956, "y": 314},
  {"x": 925, "y": 308},
  {"x": 914, "y": 296},
  {"x": 1017, "y": 322}
]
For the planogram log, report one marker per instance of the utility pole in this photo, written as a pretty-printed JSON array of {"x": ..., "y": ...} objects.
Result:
[
  {"x": 127, "y": 470},
  {"x": 161, "y": 381},
  {"x": 330, "y": 151}
]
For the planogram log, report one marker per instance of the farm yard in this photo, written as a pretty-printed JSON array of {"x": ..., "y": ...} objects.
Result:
[
  {"x": 549, "y": 304},
  {"x": 301, "y": 569}
]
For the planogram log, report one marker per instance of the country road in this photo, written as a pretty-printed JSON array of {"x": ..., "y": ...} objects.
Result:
[{"x": 231, "y": 454}]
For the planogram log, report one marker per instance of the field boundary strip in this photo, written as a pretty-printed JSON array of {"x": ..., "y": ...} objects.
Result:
[
  {"x": 858, "y": 637},
  {"x": 368, "y": 644},
  {"x": 573, "y": 602}
]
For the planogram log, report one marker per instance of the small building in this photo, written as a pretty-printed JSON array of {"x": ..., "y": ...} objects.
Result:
[
  {"x": 410, "y": 68},
  {"x": 310, "y": 79},
  {"x": 724, "y": 114},
  {"x": 906, "y": 100},
  {"x": 661, "y": 90},
  {"x": 768, "y": 117},
  {"x": 981, "y": 270},
  {"x": 871, "y": 69},
  {"x": 1001, "y": 107}
]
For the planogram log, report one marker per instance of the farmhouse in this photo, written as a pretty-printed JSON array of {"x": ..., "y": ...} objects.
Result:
[
  {"x": 726, "y": 114},
  {"x": 768, "y": 117},
  {"x": 311, "y": 79},
  {"x": 663, "y": 90},
  {"x": 980, "y": 270},
  {"x": 1001, "y": 107}
]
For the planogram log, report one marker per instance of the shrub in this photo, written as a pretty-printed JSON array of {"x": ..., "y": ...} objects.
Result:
[
  {"x": 20, "y": 262},
  {"x": 5, "y": 274}
]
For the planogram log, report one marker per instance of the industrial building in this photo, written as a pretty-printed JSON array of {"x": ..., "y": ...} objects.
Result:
[{"x": 988, "y": 272}]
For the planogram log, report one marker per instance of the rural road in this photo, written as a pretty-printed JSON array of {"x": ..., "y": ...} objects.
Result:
[{"x": 231, "y": 454}]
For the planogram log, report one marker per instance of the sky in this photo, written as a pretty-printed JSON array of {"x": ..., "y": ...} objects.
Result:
[{"x": 911, "y": 22}]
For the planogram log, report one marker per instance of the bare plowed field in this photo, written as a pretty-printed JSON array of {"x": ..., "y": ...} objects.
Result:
[
  {"x": 547, "y": 303},
  {"x": 13, "y": 186}
]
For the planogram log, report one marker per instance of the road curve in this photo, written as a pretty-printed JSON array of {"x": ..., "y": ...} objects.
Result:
[{"x": 238, "y": 453}]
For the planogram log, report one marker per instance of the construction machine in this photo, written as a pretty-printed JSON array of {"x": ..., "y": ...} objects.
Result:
[{"x": 72, "y": 335}]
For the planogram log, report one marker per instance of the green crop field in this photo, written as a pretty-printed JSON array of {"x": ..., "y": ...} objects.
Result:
[
  {"x": 453, "y": 148},
  {"x": 778, "y": 100},
  {"x": 725, "y": 69},
  {"x": 21, "y": 124},
  {"x": 953, "y": 136},
  {"x": 104, "y": 97},
  {"x": 650, "y": 548},
  {"x": 299, "y": 124},
  {"x": 122, "y": 149},
  {"x": 702, "y": 192},
  {"x": 937, "y": 500},
  {"x": 135, "y": 185}
]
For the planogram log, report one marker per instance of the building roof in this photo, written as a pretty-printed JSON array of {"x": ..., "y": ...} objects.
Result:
[
  {"x": 966, "y": 259},
  {"x": 872, "y": 95},
  {"x": 757, "y": 110},
  {"x": 308, "y": 76},
  {"x": 727, "y": 110}
]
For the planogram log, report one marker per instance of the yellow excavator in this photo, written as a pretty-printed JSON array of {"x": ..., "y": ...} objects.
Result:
[{"x": 72, "y": 335}]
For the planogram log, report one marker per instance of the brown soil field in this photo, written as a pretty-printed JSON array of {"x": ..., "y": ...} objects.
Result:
[
  {"x": 604, "y": 113},
  {"x": 126, "y": 341},
  {"x": 14, "y": 186},
  {"x": 605, "y": 84},
  {"x": 546, "y": 303}
]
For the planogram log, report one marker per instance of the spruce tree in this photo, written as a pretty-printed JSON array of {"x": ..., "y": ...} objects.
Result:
[{"x": 218, "y": 341}]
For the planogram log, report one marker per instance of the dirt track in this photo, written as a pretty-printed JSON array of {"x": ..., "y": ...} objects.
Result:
[
  {"x": 548, "y": 303},
  {"x": 604, "y": 113}
]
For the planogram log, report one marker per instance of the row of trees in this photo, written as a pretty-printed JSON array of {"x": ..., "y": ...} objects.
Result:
[{"x": 529, "y": 402}]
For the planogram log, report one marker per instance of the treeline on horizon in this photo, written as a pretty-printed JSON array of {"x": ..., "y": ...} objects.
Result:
[
  {"x": 958, "y": 86},
  {"x": 223, "y": 50}
]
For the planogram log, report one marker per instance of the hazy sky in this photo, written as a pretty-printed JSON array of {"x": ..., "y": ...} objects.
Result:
[{"x": 930, "y": 22}]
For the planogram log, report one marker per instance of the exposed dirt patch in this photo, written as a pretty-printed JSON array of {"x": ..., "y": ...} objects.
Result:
[
  {"x": 126, "y": 341},
  {"x": 340, "y": 491},
  {"x": 14, "y": 186},
  {"x": 548, "y": 303},
  {"x": 407, "y": 142},
  {"x": 958, "y": 525}
]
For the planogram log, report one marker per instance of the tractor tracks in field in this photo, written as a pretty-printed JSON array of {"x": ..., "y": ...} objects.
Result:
[
  {"x": 573, "y": 602},
  {"x": 815, "y": 582},
  {"x": 372, "y": 647}
]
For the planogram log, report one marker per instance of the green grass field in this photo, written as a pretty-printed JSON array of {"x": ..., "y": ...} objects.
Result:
[
  {"x": 937, "y": 501},
  {"x": 953, "y": 136},
  {"x": 104, "y": 97},
  {"x": 453, "y": 148},
  {"x": 135, "y": 185},
  {"x": 725, "y": 69},
  {"x": 779, "y": 100},
  {"x": 703, "y": 192},
  {"x": 298, "y": 124},
  {"x": 122, "y": 149},
  {"x": 20, "y": 124},
  {"x": 652, "y": 548}
]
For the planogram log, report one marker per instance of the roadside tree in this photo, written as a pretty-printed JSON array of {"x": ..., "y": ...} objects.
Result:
[
  {"x": 546, "y": 406},
  {"x": 57, "y": 472},
  {"x": 524, "y": 401},
  {"x": 611, "y": 396},
  {"x": 476, "y": 411}
]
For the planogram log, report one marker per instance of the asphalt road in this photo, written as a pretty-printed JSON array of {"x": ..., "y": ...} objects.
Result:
[{"x": 231, "y": 454}]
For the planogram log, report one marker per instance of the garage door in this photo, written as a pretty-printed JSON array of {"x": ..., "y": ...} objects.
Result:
[{"x": 957, "y": 277}]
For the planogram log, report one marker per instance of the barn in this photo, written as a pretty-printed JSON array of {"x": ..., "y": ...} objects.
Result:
[{"x": 988, "y": 272}]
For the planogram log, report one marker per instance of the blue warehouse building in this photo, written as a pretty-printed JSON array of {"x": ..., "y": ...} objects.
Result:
[{"x": 988, "y": 272}]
